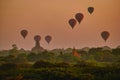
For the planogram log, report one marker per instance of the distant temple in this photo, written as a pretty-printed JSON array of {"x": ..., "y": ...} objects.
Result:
[
  {"x": 37, "y": 47},
  {"x": 75, "y": 53}
]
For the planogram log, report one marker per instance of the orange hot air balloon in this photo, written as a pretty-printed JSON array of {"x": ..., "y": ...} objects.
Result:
[
  {"x": 48, "y": 38},
  {"x": 105, "y": 35},
  {"x": 24, "y": 33},
  {"x": 90, "y": 10},
  {"x": 72, "y": 22},
  {"x": 79, "y": 17},
  {"x": 37, "y": 38}
]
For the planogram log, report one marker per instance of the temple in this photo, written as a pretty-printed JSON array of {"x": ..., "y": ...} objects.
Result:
[
  {"x": 37, "y": 47},
  {"x": 75, "y": 53}
]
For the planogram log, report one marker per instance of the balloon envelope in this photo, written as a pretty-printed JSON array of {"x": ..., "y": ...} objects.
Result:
[
  {"x": 105, "y": 35},
  {"x": 24, "y": 33},
  {"x": 72, "y": 22},
  {"x": 79, "y": 17},
  {"x": 37, "y": 38},
  {"x": 48, "y": 38},
  {"x": 90, "y": 10}
]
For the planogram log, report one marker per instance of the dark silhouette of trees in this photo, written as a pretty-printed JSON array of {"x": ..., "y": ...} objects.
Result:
[{"x": 42, "y": 64}]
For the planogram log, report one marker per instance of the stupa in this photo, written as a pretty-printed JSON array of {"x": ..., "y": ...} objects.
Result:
[
  {"x": 75, "y": 53},
  {"x": 37, "y": 47}
]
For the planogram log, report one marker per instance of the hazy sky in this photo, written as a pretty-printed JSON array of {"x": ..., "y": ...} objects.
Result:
[{"x": 51, "y": 17}]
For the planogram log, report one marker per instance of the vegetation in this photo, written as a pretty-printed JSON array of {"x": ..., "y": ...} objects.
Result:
[{"x": 93, "y": 64}]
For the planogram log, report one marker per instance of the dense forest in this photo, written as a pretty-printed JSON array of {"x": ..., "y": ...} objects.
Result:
[{"x": 102, "y": 63}]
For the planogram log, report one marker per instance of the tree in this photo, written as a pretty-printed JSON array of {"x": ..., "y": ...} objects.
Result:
[
  {"x": 32, "y": 57},
  {"x": 8, "y": 66},
  {"x": 14, "y": 50},
  {"x": 116, "y": 51},
  {"x": 42, "y": 64}
]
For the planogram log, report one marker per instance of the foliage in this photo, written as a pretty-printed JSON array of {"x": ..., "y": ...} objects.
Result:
[
  {"x": 41, "y": 63},
  {"x": 8, "y": 66},
  {"x": 93, "y": 64}
]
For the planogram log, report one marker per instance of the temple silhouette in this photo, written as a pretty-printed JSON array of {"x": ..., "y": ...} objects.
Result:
[
  {"x": 37, "y": 48},
  {"x": 75, "y": 52}
]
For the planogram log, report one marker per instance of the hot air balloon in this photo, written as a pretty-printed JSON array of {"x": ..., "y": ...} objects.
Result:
[
  {"x": 105, "y": 35},
  {"x": 79, "y": 17},
  {"x": 72, "y": 22},
  {"x": 37, "y": 38},
  {"x": 48, "y": 38},
  {"x": 90, "y": 10},
  {"x": 24, "y": 33}
]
